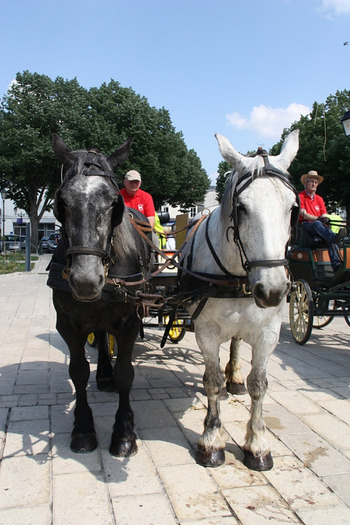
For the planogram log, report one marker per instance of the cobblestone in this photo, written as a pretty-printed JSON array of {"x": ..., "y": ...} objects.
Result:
[{"x": 42, "y": 482}]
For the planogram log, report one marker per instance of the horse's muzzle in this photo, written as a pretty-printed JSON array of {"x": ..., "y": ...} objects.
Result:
[
  {"x": 86, "y": 289},
  {"x": 269, "y": 297}
]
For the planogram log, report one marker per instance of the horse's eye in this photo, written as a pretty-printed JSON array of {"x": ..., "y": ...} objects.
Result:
[{"x": 241, "y": 208}]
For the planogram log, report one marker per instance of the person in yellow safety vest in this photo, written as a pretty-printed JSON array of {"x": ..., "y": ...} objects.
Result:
[
  {"x": 334, "y": 218},
  {"x": 158, "y": 228}
]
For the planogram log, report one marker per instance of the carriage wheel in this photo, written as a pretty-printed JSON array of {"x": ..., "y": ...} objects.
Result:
[
  {"x": 111, "y": 345},
  {"x": 177, "y": 331},
  {"x": 301, "y": 312},
  {"x": 91, "y": 340},
  {"x": 320, "y": 321}
]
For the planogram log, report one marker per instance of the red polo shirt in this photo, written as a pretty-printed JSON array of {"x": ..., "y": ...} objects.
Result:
[
  {"x": 142, "y": 201},
  {"x": 315, "y": 206}
]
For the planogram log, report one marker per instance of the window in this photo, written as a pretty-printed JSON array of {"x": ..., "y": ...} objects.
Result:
[{"x": 193, "y": 211}]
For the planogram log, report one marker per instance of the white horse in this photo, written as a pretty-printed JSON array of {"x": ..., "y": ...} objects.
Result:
[{"x": 244, "y": 243}]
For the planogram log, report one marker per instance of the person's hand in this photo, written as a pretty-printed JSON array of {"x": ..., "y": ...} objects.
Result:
[{"x": 325, "y": 221}]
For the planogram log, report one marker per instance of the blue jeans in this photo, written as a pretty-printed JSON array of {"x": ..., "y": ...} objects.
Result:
[{"x": 317, "y": 229}]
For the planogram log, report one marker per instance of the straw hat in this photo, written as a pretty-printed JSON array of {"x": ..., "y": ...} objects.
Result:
[{"x": 311, "y": 175}]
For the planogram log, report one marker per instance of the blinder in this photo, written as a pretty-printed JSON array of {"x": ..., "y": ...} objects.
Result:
[
  {"x": 241, "y": 185},
  {"x": 118, "y": 211}
]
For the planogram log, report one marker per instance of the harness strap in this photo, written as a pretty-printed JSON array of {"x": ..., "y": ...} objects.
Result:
[
  {"x": 85, "y": 250},
  {"x": 212, "y": 251},
  {"x": 141, "y": 227},
  {"x": 233, "y": 281}
]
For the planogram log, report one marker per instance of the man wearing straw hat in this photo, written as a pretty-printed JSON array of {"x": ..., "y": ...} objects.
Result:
[{"x": 313, "y": 216}]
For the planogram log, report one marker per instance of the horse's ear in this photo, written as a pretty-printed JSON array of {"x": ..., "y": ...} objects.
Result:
[
  {"x": 62, "y": 152},
  {"x": 118, "y": 211},
  {"x": 289, "y": 149},
  {"x": 118, "y": 157},
  {"x": 237, "y": 161}
]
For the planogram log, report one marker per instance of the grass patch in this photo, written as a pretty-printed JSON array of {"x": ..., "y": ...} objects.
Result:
[{"x": 15, "y": 262}]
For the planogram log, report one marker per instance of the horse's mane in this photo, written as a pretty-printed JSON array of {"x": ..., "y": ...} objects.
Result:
[{"x": 128, "y": 243}]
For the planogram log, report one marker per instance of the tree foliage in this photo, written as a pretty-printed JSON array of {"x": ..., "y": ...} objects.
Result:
[
  {"x": 104, "y": 117},
  {"x": 324, "y": 148},
  {"x": 223, "y": 172}
]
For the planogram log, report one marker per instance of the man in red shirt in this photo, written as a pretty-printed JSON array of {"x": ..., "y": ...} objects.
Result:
[
  {"x": 313, "y": 216},
  {"x": 136, "y": 198}
]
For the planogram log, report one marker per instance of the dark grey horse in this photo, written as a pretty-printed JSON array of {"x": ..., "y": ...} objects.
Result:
[{"x": 97, "y": 239}]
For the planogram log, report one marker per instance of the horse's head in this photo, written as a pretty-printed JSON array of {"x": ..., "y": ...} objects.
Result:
[
  {"x": 89, "y": 206},
  {"x": 260, "y": 205}
]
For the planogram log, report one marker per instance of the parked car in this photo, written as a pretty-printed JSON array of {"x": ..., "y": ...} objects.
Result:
[
  {"x": 22, "y": 240},
  {"x": 52, "y": 241},
  {"x": 14, "y": 243},
  {"x": 43, "y": 245}
]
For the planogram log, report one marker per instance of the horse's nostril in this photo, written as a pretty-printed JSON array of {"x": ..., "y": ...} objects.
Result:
[{"x": 259, "y": 290}]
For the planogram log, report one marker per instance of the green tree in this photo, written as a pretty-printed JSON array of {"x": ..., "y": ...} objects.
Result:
[
  {"x": 35, "y": 106},
  {"x": 324, "y": 148},
  {"x": 223, "y": 169},
  {"x": 170, "y": 172}
]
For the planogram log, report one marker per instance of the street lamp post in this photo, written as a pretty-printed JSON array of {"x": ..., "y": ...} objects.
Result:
[
  {"x": 3, "y": 196},
  {"x": 345, "y": 120}
]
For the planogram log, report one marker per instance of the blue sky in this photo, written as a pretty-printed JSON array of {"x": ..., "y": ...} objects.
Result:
[{"x": 242, "y": 68}]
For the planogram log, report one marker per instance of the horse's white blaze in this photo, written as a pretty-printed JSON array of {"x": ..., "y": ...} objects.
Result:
[{"x": 88, "y": 226}]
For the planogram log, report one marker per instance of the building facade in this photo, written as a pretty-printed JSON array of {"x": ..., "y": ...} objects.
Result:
[{"x": 14, "y": 221}]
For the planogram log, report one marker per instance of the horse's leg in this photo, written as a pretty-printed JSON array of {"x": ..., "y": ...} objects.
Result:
[
  {"x": 234, "y": 378},
  {"x": 257, "y": 455},
  {"x": 83, "y": 433},
  {"x": 211, "y": 445},
  {"x": 123, "y": 443},
  {"x": 104, "y": 373}
]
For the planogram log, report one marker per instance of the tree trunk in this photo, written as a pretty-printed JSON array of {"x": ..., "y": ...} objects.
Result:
[{"x": 34, "y": 231}]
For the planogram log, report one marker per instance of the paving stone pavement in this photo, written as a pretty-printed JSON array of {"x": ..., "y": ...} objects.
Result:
[{"x": 306, "y": 410}]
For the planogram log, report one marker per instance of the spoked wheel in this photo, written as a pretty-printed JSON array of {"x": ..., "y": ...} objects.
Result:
[
  {"x": 91, "y": 340},
  {"x": 301, "y": 311},
  {"x": 320, "y": 321},
  {"x": 177, "y": 331}
]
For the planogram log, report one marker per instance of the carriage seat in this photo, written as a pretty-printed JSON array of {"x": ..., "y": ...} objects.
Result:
[{"x": 301, "y": 238}]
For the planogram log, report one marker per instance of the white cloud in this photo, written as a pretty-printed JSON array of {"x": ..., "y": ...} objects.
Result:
[
  {"x": 268, "y": 122},
  {"x": 338, "y": 6}
]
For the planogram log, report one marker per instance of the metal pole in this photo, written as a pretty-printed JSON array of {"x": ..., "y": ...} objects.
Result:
[
  {"x": 28, "y": 245},
  {"x": 3, "y": 225}
]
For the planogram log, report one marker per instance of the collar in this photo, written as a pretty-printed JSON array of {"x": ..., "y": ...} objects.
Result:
[{"x": 309, "y": 194}]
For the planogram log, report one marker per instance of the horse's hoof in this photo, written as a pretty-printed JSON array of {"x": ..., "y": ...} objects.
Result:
[
  {"x": 106, "y": 385},
  {"x": 123, "y": 449},
  {"x": 84, "y": 442},
  {"x": 258, "y": 462},
  {"x": 236, "y": 388},
  {"x": 210, "y": 458}
]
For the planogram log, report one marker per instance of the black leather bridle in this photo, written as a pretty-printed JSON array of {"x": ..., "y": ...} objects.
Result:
[
  {"x": 91, "y": 167},
  {"x": 243, "y": 182}
]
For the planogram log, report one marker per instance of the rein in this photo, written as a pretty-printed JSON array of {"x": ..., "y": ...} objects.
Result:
[{"x": 236, "y": 286}]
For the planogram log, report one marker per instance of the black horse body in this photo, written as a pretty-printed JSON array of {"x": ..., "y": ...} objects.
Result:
[{"x": 97, "y": 237}]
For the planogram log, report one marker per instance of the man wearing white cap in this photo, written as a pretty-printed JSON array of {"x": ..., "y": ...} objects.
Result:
[
  {"x": 313, "y": 216},
  {"x": 136, "y": 198}
]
